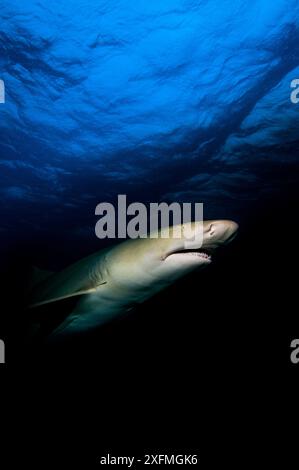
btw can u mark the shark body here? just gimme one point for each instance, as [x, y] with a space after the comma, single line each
[112, 281]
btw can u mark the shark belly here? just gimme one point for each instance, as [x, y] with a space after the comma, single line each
[96, 309]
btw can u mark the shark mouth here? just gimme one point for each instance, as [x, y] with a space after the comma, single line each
[203, 254]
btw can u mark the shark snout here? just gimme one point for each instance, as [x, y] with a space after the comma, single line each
[221, 231]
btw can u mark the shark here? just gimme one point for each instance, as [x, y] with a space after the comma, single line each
[114, 280]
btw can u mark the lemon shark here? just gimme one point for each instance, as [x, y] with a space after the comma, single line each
[112, 281]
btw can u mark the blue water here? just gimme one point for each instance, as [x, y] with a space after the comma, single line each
[164, 101]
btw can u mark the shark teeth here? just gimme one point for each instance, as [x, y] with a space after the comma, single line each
[204, 255]
[199, 254]
[193, 253]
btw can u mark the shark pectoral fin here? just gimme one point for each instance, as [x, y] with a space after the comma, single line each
[67, 296]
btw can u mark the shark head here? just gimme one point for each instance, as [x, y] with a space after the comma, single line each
[152, 263]
[184, 255]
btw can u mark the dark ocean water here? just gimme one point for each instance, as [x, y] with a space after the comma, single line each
[178, 100]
